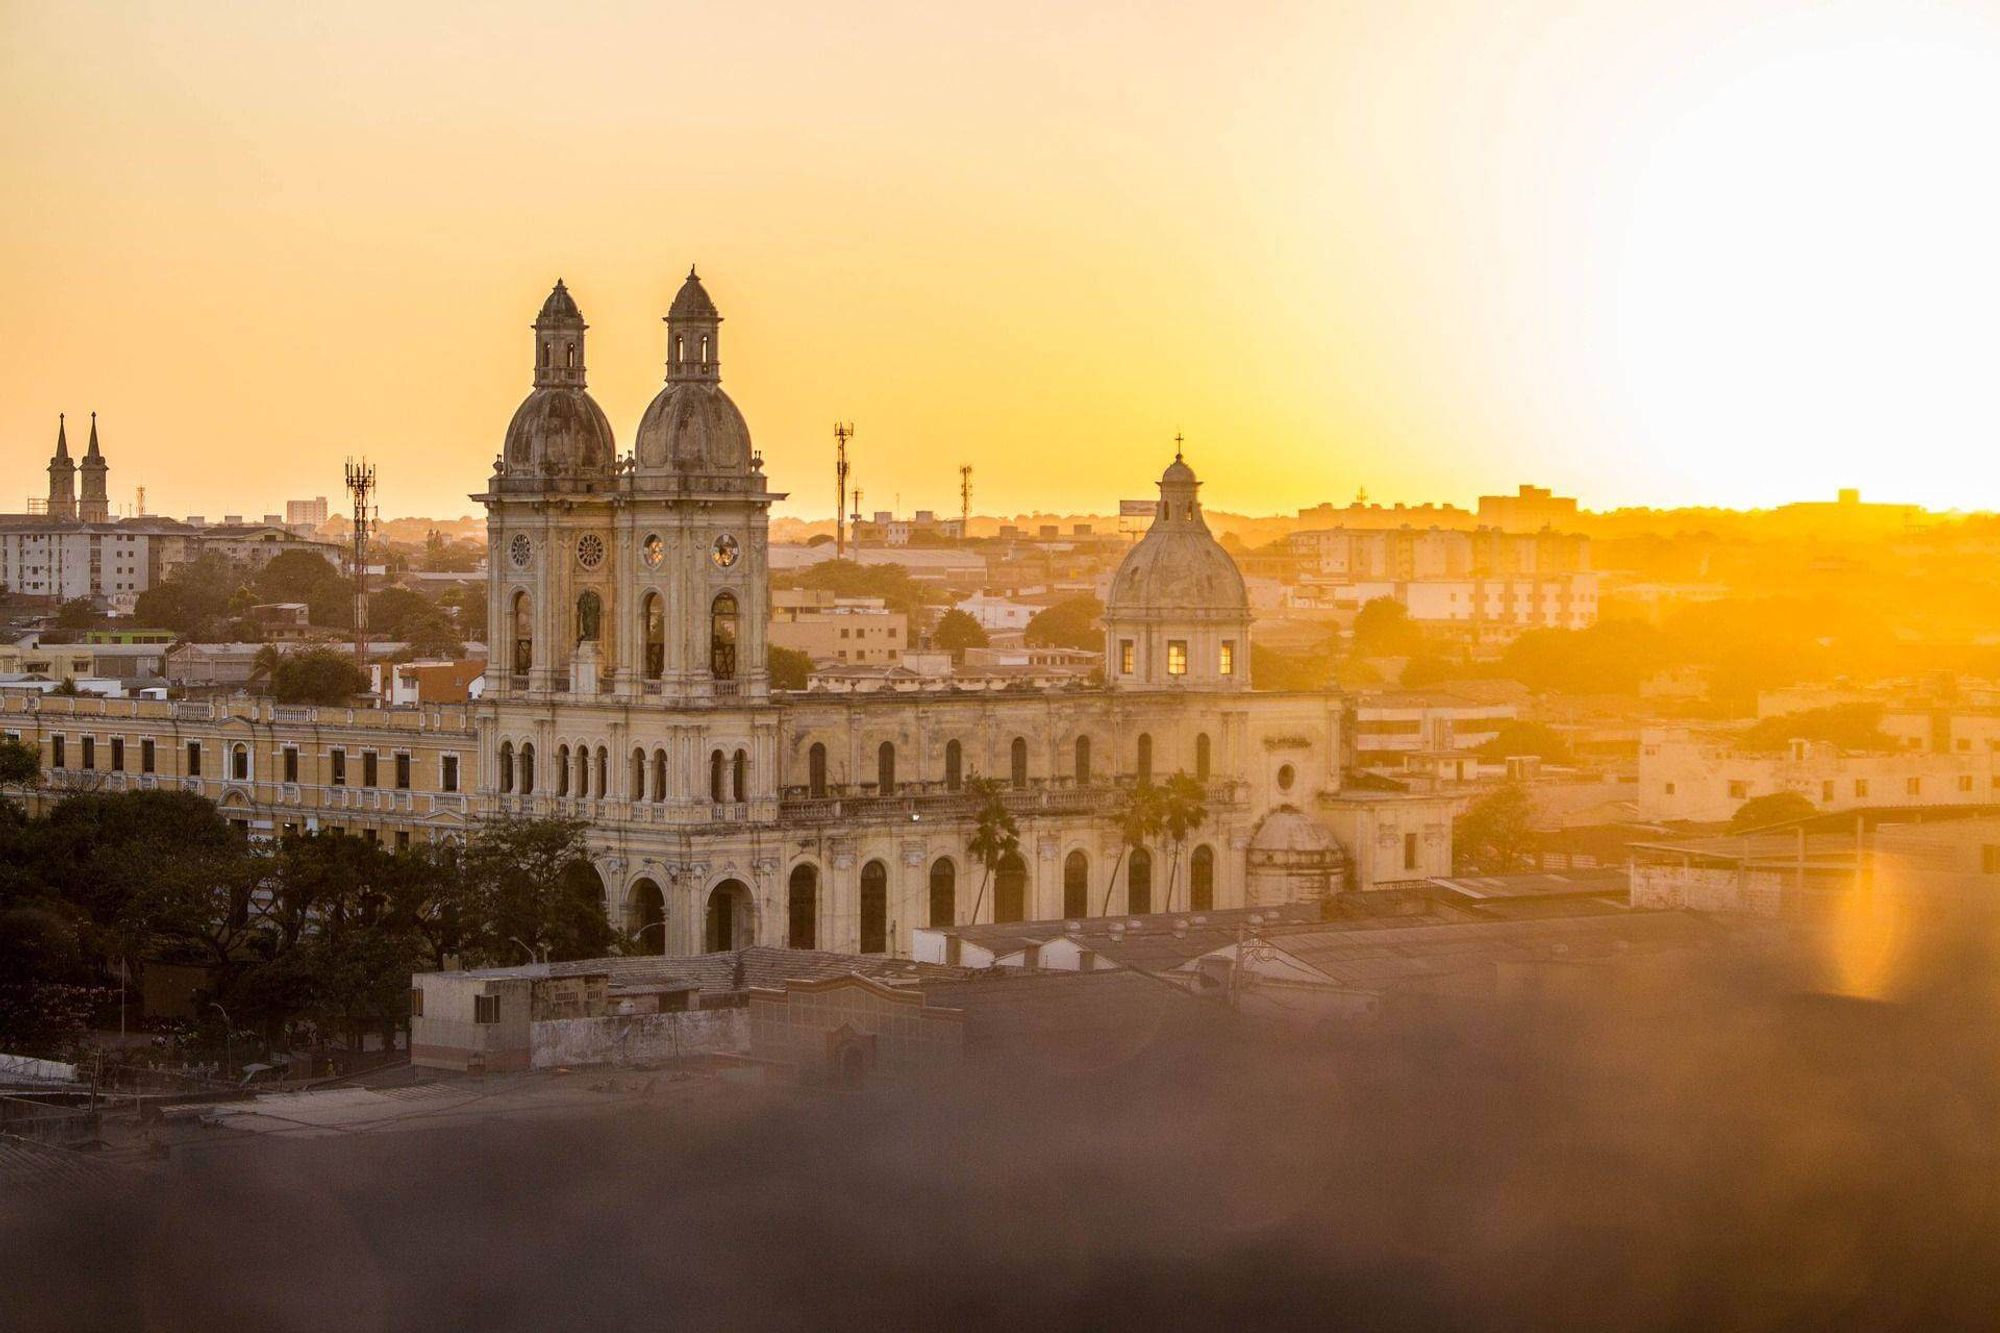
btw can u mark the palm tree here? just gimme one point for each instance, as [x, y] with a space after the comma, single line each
[1138, 823]
[995, 837]
[264, 663]
[1183, 808]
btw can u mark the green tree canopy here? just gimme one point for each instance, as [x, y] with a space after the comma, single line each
[1778, 807]
[1494, 835]
[1855, 727]
[192, 601]
[1518, 736]
[1383, 628]
[1074, 622]
[326, 676]
[790, 669]
[956, 631]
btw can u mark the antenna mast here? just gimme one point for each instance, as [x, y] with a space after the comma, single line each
[843, 431]
[361, 485]
[965, 502]
[855, 527]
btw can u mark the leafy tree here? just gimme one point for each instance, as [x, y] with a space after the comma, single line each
[467, 607]
[430, 633]
[66, 688]
[1494, 835]
[1848, 726]
[192, 601]
[299, 576]
[529, 882]
[325, 676]
[1074, 622]
[1139, 822]
[1518, 736]
[78, 613]
[1778, 807]
[20, 764]
[1275, 669]
[956, 631]
[1383, 628]
[790, 669]
[995, 836]
[1183, 809]
[392, 610]
[1610, 657]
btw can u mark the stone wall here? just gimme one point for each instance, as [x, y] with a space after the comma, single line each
[638, 1038]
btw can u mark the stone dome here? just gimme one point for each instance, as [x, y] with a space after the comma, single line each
[560, 430]
[1293, 858]
[1178, 570]
[693, 302]
[693, 426]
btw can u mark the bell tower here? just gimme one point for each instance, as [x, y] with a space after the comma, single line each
[96, 505]
[62, 476]
[694, 334]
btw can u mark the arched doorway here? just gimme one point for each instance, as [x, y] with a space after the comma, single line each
[1010, 889]
[944, 892]
[874, 908]
[802, 908]
[1139, 882]
[646, 917]
[1076, 885]
[1201, 879]
[730, 923]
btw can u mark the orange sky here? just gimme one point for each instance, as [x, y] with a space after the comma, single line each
[1689, 252]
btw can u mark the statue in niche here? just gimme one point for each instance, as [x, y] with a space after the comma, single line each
[589, 611]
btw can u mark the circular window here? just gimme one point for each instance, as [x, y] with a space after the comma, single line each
[724, 554]
[521, 550]
[590, 550]
[1285, 777]
[653, 550]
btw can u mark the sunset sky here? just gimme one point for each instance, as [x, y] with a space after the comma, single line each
[1686, 252]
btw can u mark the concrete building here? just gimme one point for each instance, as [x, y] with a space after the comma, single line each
[1703, 775]
[834, 629]
[1529, 509]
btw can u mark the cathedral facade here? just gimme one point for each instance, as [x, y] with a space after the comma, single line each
[627, 686]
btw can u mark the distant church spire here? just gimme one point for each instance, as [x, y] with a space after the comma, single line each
[62, 475]
[95, 506]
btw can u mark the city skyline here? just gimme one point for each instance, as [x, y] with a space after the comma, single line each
[1039, 250]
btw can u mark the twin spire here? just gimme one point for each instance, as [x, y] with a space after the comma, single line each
[95, 506]
[693, 337]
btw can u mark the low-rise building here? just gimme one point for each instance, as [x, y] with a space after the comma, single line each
[833, 629]
[1705, 775]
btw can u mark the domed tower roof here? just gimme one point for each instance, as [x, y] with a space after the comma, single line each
[559, 431]
[1293, 858]
[1178, 613]
[692, 426]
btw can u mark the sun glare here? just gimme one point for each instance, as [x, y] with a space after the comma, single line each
[1810, 275]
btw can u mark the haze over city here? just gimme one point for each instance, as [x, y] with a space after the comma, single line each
[1071, 666]
[1689, 253]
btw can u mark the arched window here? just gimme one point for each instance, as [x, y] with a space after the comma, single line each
[1017, 762]
[739, 777]
[1076, 885]
[1201, 879]
[659, 775]
[569, 356]
[874, 908]
[239, 762]
[1082, 761]
[524, 634]
[506, 765]
[603, 772]
[944, 892]
[816, 770]
[653, 616]
[731, 924]
[722, 637]
[636, 789]
[716, 764]
[680, 355]
[562, 771]
[1201, 757]
[1010, 889]
[704, 351]
[527, 768]
[1145, 757]
[646, 918]
[1139, 882]
[589, 617]
[802, 909]
[885, 768]
[954, 765]
[548, 349]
